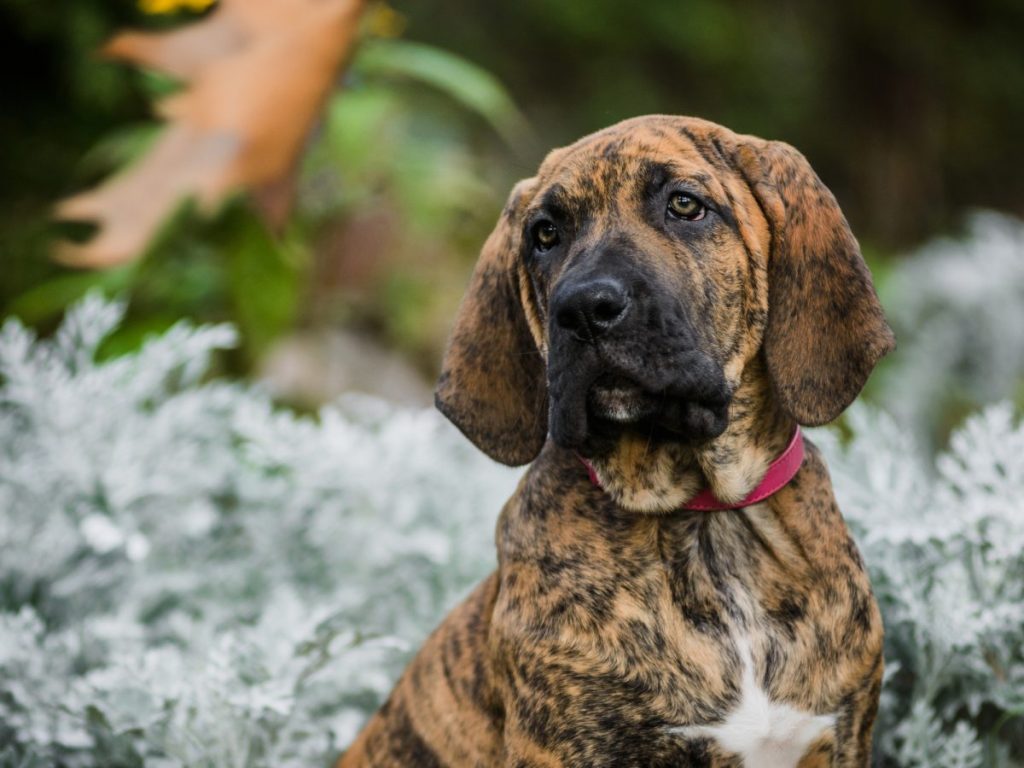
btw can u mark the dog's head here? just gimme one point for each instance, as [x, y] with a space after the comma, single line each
[663, 296]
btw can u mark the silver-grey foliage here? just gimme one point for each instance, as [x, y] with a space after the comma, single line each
[958, 308]
[944, 543]
[191, 577]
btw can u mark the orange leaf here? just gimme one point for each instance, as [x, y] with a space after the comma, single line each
[257, 73]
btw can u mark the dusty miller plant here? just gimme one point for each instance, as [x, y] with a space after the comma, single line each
[193, 577]
[944, 543]
[958, 308]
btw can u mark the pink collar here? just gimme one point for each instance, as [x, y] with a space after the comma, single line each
[780, 472]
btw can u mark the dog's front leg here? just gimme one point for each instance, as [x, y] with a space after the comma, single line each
[444, 712]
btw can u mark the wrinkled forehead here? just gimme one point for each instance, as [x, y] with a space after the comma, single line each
[628, 162]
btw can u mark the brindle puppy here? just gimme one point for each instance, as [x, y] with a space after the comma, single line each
[668, 299]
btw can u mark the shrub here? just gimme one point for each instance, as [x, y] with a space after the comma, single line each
[191, 577]
[958, 309]
[944, 543]
[194, 577]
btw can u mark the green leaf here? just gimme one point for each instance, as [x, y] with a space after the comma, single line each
[472, 86]
[48, 300]
[263, 279]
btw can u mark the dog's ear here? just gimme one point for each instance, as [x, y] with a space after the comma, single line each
[826, 330]
[493, 385]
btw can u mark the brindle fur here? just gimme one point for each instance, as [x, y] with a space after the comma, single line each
[614, 618]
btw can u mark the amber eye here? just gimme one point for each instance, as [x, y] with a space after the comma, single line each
[686, 207]
[546, 235]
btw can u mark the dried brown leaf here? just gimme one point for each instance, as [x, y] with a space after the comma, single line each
[257, 74]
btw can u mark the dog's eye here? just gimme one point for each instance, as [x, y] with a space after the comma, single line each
[545, 235]
[683, 206]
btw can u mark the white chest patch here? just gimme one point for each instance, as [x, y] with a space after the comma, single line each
[764, 733]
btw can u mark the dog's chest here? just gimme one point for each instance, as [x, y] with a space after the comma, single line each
[762, 732]
[759, 706]
[762, 623]
[696, 637]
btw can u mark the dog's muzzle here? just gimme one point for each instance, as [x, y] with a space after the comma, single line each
[612, 368]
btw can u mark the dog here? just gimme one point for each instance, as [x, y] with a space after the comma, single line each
[662, 305]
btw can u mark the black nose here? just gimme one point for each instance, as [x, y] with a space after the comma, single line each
[591, 307]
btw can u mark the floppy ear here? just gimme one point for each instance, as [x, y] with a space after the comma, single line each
[826, 330]
[492, 384]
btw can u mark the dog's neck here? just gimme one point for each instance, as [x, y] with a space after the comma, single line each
[660, 478]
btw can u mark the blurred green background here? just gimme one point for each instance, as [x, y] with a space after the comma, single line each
[912, 112]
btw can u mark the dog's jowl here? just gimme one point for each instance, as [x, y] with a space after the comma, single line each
[657, 311]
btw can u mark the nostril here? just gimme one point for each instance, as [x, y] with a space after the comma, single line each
[590, 308]
[607, 311]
